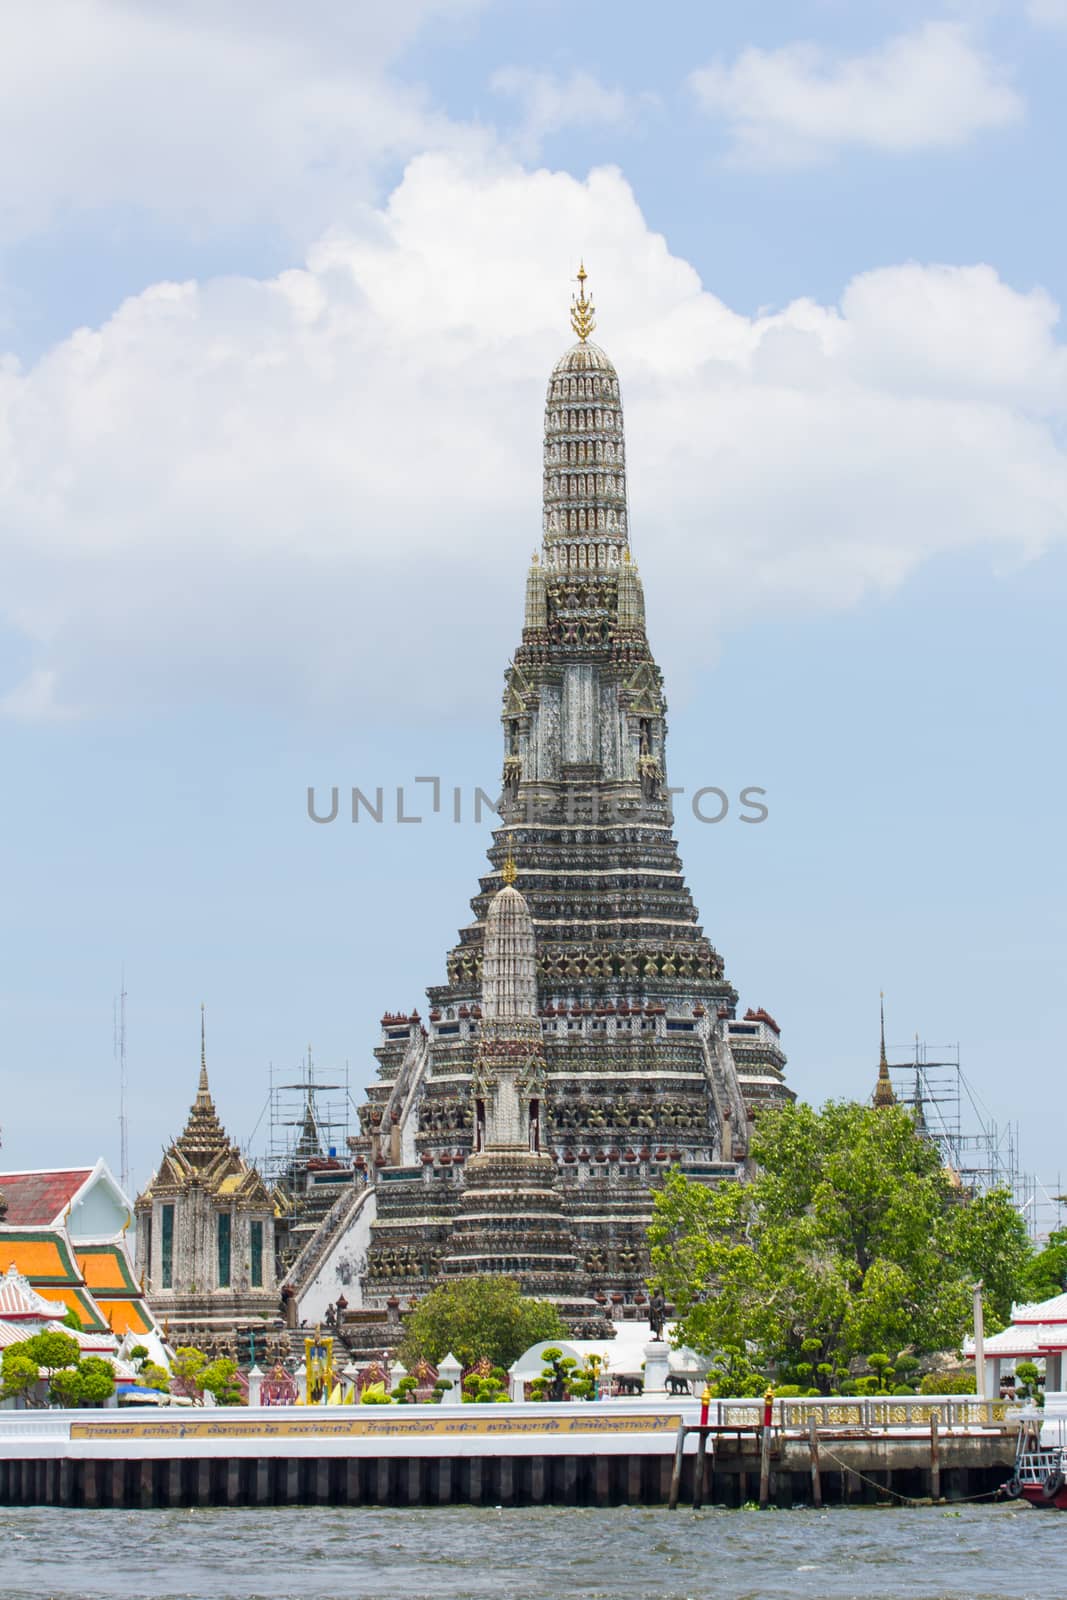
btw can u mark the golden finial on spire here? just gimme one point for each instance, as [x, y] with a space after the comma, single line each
[509, 872]
[583, 320]
[883, 1089]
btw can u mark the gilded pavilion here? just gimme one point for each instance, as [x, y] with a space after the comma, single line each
[205, 1233]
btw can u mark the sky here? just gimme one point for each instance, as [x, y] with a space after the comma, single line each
[280, 291]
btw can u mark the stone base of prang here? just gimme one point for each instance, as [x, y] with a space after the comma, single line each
[562, 1456]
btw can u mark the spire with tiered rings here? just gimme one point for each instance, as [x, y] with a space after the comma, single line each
[883, 1089]
[585, 522]
[203, 1136]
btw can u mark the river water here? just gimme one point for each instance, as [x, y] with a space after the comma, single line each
[1008, 1552]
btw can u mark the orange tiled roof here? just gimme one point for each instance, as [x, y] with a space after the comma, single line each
[126, 1316]
[39, 1254]
[80, 1302]
[106, 1269]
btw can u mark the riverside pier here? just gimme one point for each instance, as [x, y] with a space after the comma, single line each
[625, 1452]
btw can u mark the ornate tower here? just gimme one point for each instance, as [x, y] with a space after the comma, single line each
[884, 1094]
[511, 1216]
[205, 1229]
[586, 1017]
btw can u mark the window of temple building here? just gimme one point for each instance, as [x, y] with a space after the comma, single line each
[224, 1249]
[255, 1245]
[166, 1247]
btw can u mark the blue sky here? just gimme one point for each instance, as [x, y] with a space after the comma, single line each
[280, 300]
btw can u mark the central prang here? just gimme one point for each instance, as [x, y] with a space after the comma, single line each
[586, 1039]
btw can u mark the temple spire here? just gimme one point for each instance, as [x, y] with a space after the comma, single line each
[203, 1136]
[883, 1089]
[585, 520]
[509, 969]
[202, 1087]
[583, 319]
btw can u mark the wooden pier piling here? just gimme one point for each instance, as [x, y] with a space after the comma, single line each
[935, 1459]
[813, 1447]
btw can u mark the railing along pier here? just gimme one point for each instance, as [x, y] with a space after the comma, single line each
[893, 1426]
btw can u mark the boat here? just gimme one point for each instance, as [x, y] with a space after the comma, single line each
[1040, 1472]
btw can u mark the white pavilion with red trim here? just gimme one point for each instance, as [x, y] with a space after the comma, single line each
[1037, 1332]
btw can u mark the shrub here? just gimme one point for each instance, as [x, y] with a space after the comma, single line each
[374, 1395]
[219, 1378]
[948, 1383]
[98, 1380]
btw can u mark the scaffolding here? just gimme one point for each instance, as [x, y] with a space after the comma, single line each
[983, 1153]
[308, 1115]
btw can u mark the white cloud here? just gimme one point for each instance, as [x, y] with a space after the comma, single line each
[549, 103]
[295, 490]
[1048, 13]
[209, 116]
[929, 89]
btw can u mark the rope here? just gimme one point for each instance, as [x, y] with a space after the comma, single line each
[908, 1499]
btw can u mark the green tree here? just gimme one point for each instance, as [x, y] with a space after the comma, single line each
[850, 1238]
[20, 1373]
[477, 1317]
[186, 1368]
[72, 1320]
[98, 1380]
[554, 1382]
[67, 1385]
[219, 1379]
[1046, 1273]
[88, 1383]
[155, 1377]
[732, 1374]
[52, 1350]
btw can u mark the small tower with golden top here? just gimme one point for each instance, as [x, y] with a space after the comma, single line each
[884, 1094]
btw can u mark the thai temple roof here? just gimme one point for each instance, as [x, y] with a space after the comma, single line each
[203, 1152]
[40, 1198]
[19, 1300]
[203, 1136]
[41, 1246]
[1038, 1329]
[1053, 1310]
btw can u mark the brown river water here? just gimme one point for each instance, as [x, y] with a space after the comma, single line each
[992, 1552]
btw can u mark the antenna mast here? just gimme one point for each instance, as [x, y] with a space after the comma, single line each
[119, 1008]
